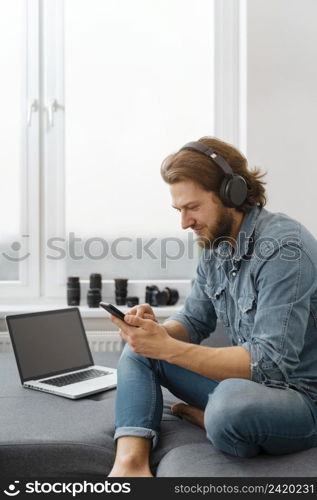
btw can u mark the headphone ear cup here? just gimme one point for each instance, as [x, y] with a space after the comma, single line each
[233, 191]
[223, 192]
[237, 191]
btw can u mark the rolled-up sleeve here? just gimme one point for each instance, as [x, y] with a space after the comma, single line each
[284, 290]
[198, 314]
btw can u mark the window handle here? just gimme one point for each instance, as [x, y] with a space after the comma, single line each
[52, 107]
[33, 107]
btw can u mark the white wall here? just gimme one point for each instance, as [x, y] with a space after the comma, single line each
[282, 103]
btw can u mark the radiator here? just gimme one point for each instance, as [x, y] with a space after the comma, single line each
[98, 342]
[104, 341]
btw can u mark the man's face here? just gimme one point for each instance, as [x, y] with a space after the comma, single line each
[203, 212]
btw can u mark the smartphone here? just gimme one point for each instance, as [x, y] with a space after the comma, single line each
[112, 310]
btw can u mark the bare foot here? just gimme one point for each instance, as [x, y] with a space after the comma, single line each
[191, 413]
[132, 457]
[130, 472]
[130, 466]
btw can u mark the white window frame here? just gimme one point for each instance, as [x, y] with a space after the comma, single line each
[231, 72]
[53, 275]
[44, 160]
[28, 283]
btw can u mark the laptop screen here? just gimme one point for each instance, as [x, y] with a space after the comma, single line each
[48, 343]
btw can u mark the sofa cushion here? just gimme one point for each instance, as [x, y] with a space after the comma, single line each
[44, 435]
[204, 460]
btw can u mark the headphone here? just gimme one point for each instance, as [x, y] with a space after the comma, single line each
[233, 190]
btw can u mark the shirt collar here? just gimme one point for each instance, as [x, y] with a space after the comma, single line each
[245, 240]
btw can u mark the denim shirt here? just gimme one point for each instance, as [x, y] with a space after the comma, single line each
[264, 292]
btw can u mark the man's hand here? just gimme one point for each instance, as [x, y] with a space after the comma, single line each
[143, 311]
[150, 339]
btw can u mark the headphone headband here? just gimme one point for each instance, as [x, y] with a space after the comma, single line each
[199, 147]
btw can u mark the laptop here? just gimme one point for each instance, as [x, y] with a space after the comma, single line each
[53, 355]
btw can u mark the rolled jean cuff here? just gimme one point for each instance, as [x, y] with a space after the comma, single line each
[142, 432]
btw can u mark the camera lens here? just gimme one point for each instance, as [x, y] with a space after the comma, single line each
[121, 282]
[121, 291]
[132, 301]
[95, 281]
[93, 297]
[121, 300]
[94, 292]
[73, 291]
[149, 294]
[173, 296]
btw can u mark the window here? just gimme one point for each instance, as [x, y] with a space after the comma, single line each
[105, 93]
[138, 85]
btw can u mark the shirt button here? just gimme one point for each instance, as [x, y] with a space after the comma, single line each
[240, 340]
[234, 273]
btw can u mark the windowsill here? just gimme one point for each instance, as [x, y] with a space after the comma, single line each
[85, 311]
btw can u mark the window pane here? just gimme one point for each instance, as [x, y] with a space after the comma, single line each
[138, 85]
[11, 32]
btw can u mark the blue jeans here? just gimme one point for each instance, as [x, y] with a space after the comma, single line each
[241, 417]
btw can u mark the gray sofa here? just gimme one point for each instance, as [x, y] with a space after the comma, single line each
[42, 435]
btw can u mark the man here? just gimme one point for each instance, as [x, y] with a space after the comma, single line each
[257, 275]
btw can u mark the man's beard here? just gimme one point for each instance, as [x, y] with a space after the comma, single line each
[220, 231]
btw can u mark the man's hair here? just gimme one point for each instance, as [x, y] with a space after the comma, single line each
[197, 167]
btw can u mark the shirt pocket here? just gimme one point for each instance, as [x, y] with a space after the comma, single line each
[218, 298]
[246, 314]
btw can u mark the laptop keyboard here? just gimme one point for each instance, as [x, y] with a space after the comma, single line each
[75, 377]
